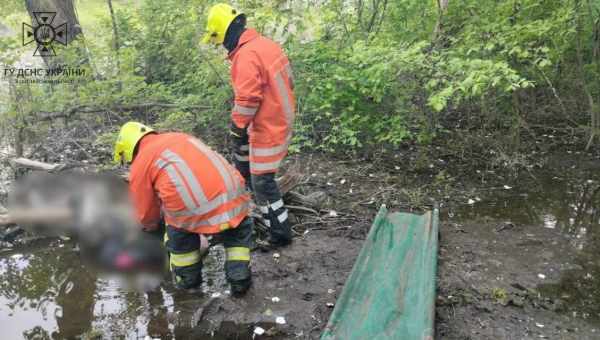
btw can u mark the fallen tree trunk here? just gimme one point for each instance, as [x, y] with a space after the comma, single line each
[35, 165]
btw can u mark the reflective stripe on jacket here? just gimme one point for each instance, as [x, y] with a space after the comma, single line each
[195, 188]
[264, 99]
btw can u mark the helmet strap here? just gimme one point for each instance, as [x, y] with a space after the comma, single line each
[234, 32]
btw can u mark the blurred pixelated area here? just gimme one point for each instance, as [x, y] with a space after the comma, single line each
[93, 209]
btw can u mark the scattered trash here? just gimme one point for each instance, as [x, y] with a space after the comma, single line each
[276, 255]
[215, 295]
[275, 299]
[550, 221]
[506, 187]
[333, 213]
[330, 291]
[542, 276]
[280, 320]
[329, 183]
[471, 201]
[396, 167]
[539, 325]
[268, 312]
[259, 330]
[330, 304]
[342, 181]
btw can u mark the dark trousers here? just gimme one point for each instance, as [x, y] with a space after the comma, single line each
[186, 260]
[266, 193]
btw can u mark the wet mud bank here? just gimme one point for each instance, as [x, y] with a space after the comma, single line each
[516, 261]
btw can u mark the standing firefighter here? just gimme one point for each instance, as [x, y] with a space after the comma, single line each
[177, 177]
[263, 114]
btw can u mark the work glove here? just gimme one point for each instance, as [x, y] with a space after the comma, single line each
[238, 135]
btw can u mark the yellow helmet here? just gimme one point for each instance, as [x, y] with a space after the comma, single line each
[220, 17]
[129, 136]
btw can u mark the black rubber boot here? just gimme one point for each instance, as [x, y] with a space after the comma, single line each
[237, 243]
[274, 214]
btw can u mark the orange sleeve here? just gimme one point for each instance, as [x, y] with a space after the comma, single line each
[144, 198]
[247, 85]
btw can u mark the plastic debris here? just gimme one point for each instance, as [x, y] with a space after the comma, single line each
[215, 295]
[259, 330]
[330, 291]
[342, 181]
[276, 255]
[333, 213]
[506, 187]
[280, 320]
[542, 276]
[330, 304]
[275, 299]
[539, 325]
[471, 201]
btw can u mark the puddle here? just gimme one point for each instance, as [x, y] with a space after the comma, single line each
[567, 211]
[48, 294]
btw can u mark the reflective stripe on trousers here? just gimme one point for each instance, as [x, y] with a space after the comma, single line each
[282, 216]
[237, 254]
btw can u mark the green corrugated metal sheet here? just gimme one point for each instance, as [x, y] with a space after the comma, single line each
[390, 293]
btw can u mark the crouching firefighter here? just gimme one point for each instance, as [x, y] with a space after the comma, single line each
[263, 114]
[177, 177]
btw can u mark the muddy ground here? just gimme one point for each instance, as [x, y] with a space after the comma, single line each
[517, 259]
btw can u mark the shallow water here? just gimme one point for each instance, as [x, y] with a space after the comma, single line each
[47, 293]
[569, 207]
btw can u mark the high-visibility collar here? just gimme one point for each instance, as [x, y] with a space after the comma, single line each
[248, 35]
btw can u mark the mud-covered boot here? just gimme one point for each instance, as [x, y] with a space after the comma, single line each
[275, 216]
[239, 277]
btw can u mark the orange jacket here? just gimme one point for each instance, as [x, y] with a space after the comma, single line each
[264, 99]
[177, 176]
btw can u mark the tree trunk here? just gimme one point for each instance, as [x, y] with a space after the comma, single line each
[592, 107]
[116, 43]
[442, 8]
[65, 13]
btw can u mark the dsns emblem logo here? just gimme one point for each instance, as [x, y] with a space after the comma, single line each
[44, 33]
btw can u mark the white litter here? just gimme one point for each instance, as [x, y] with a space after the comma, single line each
[471, 201]
[539, 325]
[259, 331]
[280, 320]
[342, 181]
[542, 276]
[506, 187]
[215, 295]
[396, 167]
[276, 255]
[330, 291]
[330, 304]
[333, 213]
[275, 299]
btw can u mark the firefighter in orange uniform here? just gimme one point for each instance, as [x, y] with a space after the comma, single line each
[176, 177]
[263, 114]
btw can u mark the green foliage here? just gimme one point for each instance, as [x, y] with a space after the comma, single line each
[367, 73]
